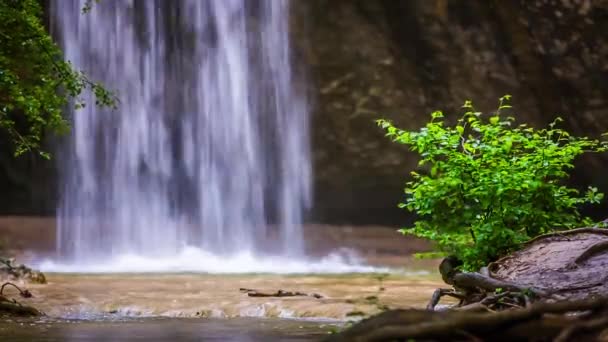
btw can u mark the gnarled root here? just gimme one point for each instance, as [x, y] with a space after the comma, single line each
[538, 321]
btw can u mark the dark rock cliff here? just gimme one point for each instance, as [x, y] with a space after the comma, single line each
[403, 59]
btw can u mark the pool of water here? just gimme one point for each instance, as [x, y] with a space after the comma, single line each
[166, 329]
[108, 296]
[207, 307]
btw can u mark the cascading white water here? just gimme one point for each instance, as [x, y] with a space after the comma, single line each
[209, 145]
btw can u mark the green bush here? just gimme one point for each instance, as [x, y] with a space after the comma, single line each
[490, 185]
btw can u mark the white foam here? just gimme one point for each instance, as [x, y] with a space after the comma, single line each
[192, 259]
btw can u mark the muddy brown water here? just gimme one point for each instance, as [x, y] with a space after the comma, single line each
[207, 307]
[196, 307]
[218, 296]
[162, 329]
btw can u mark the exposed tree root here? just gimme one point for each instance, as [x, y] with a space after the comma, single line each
[570, 332]
[479, 292]
[554, 288]
[279, 293]
[476, 281]
[592, 251]
[537, 321]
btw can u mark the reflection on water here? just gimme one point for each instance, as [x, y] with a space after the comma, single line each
[179, 330]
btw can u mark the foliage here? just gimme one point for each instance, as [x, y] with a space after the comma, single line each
[490, 185]
[35, 82]
[88, 5]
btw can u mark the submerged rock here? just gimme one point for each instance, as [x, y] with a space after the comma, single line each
[13, 308]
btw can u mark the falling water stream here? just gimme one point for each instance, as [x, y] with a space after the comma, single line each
[210, 141]
[206, 160]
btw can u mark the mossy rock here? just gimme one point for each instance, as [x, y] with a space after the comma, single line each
[12, 308]
[11, 271]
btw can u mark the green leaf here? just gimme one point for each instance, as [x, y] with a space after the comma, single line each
[437, 114]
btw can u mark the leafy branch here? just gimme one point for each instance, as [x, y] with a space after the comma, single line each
[488, 184]
[35, 82]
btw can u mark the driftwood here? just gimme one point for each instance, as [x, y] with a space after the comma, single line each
[279, 293]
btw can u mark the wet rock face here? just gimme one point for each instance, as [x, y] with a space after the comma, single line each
[403, 59]
[27, 183]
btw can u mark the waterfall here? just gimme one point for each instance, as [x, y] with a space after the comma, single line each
[209, 146]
